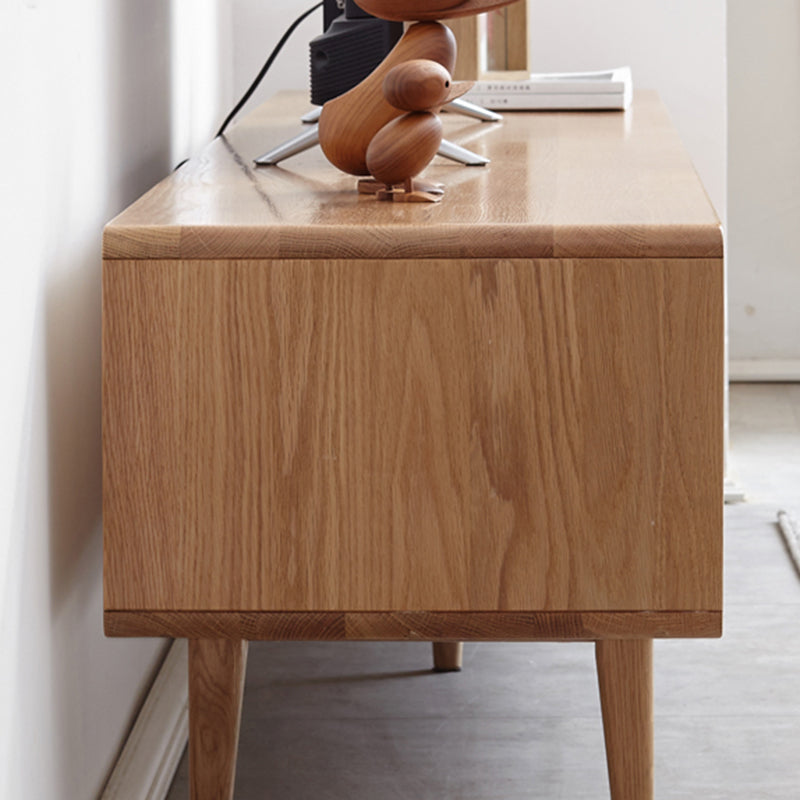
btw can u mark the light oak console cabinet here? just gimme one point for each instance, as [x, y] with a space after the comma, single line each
[495, 418]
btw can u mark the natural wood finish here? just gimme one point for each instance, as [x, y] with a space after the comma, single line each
[404, 147]
[403, 10]
[576, 185]
[350, 122]
[625, 675]
[415, 626]
[473, 60]
[448, 656]
[216, 684]
[485, 435]
[467, 67]
[517, 21]
[418, 85]
[497, 418]
[495, 41]
[503, 45]
[361, 135]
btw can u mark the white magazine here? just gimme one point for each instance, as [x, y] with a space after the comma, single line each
[607, 89]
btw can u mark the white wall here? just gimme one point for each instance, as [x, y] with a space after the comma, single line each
[764, 180]
[88, 120]
[256, 28]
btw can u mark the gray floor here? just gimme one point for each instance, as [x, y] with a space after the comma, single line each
[371, 722]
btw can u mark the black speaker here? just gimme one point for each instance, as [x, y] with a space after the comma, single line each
[330, 10]
[353, 44]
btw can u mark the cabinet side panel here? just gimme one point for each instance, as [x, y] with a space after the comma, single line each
[438, 435]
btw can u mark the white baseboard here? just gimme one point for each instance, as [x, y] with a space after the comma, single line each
[147, 764]
[733, 493]
[758, 370]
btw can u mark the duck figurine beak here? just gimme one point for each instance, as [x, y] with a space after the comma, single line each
[457, 89]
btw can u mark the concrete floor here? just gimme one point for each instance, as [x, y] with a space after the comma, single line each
[356, 721]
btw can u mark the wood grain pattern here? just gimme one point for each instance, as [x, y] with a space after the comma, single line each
[418, 85]
[517, 18]
[448, 656]
[465, 29]
[415, 626]
[503, 55]
[625, 676]
[577, 185]
[404, 147]
[404, 435]
[500, 54]
[403, 10]
[216, 684]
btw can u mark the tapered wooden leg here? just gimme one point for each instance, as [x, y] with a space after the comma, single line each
[625, 675]
[447, 656]
[216, 683]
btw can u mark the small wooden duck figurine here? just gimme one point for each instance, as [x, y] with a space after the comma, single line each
[404, 147]
[387, 127]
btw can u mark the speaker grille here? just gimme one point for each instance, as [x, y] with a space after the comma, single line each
[347, 53]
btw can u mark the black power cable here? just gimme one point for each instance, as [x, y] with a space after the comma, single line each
[273, 55]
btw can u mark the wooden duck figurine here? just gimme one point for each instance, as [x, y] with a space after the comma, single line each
[405, 10]
[401, 149]
[387, 127]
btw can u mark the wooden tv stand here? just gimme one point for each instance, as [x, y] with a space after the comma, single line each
[495, 418]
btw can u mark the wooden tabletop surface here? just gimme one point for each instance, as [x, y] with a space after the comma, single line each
[560, 184]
